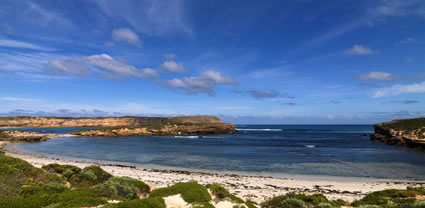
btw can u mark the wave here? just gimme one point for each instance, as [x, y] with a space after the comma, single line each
[187, 137]
[259, 129]
[310, 146]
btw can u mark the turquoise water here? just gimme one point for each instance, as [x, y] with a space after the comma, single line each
[331, 150]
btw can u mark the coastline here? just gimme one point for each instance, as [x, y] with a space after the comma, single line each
[255, 187]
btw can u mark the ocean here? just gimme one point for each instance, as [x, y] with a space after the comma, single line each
[324, 150]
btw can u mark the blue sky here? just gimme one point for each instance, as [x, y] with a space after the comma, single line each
[300, 61]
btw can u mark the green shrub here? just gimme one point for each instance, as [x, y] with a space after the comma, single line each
[89, 176]
[151, 202]
[324, 205]
[291, 203]
[314, 199]
[191, 192]
[78, 198]
[67, 173]
[125, 187]
[382, 198]
[420, 204]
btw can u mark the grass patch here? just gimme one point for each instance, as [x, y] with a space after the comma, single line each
[191, 192]
[406, 124]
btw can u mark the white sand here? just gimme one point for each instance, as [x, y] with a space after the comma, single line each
[253, 187]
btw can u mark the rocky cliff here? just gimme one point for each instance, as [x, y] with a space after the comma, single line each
[160, 130]
[405, 132]
[102, 122]
[16, 135]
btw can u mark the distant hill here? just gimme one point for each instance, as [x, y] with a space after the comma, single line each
[128, 121]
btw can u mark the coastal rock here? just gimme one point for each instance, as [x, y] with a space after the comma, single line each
[160, 130]
[404, 132]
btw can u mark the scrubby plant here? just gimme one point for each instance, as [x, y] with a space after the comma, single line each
[314, 199]
[191, 192]
[151, 202]
[56, 168]
[389, 196]
[291, 203]
[15, 173]
[324, 205]
[125, 187]
[222, 193]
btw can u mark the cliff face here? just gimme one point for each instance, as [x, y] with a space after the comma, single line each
[101, 122]
[160, 130]
[405, 132]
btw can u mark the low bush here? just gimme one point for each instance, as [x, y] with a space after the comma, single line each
[191, 192]
[124, 187]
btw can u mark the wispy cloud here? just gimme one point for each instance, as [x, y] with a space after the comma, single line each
[173, 66]
[261, 94]
[152, 17]
[170, 56]
[102, 64]
[17, 99]
[359, 50]
[400, 89]
[382, 76]
[20, 44]
[204, 83]
[408, 40]
[126, 35]
[396, 8]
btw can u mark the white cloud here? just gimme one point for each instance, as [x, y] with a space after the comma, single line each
[20, 44]
[173, 66]
[126, 35]
[170, 56]
[204, 83]
[383, 76]
[358, 50]
[17, 99]
[102, 64]
[400, 89]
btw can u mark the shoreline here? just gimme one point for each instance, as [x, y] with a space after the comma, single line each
[256, 187]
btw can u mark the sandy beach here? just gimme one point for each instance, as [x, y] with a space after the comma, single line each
[247, 186]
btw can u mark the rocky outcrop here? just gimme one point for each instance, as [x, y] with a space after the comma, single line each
[17, 135]
[128, 121]
[405, 132]
[160, 130]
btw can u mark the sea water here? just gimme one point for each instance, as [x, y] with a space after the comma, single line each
[329, 150]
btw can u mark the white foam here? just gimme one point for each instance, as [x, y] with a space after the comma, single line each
[188, 137]
[259, 129]
[310, 146]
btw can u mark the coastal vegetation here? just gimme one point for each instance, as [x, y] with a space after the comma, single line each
[54, 185]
